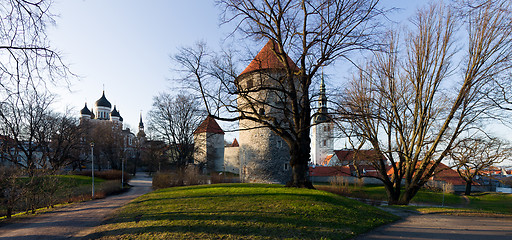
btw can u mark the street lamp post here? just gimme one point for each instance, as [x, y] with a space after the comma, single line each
[92, 167]
[122, 172]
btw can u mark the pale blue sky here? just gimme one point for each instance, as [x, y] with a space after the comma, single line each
[125, 46]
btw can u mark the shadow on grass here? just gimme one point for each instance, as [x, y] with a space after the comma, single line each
[233, 225]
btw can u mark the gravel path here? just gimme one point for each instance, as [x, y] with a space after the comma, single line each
[74, 221]
[435, 226]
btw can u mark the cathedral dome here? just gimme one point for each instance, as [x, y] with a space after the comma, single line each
[103, 102]
[85, 111]
[115, 113]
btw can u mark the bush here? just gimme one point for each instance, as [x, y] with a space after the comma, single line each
[224, 177]
[107, 174]
[439, 186]
[174, 179]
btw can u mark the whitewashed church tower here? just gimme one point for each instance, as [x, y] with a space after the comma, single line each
[322, 141]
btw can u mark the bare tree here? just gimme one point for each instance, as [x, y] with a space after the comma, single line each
[306, 35]
[174, 119]
[23, 118]
[472, 155]
[63, 147]
[27, 61]
[413, 108]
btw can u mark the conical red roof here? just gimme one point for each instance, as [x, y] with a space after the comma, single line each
[235, 143]
[209, 125]
[267, 59]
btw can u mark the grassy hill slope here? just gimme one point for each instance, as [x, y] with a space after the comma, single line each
[241, 211]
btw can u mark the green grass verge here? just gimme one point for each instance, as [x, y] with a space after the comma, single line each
[76, 180]
[483, 204]
[241, 211]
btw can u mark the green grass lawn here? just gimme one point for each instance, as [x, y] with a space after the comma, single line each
[492, 204]
[76, 180]
[241, 211]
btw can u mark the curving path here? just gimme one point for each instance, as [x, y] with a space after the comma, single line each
[74, 221]
[435, 226]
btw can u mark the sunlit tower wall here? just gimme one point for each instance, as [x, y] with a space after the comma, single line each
[264, 156]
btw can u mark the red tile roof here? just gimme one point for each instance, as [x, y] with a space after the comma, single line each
[209, 125]
[235, 143]
[267, 59]
[443, 173]
[326, 161]
[320, 171]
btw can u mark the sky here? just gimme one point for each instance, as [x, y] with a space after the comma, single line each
[123, 47]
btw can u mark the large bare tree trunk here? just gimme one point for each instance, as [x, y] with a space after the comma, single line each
[299, 159]
[467, 192]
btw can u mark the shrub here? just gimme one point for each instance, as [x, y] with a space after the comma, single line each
[173, 179]
[224, 177]
[340, 185]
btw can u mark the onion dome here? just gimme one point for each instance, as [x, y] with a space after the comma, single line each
[115, 113]
[85, 111]
[103, 102]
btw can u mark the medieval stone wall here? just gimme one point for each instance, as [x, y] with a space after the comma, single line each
[232, 159]
[264, 156]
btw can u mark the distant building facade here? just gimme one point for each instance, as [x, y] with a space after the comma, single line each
[103, 118]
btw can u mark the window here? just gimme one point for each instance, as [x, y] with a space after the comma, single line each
[279, 143]
[325, 143]
[325, 128]
[286, 166]
[262, 111]
[249, 84]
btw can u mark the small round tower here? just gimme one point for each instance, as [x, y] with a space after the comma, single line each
[264, 156]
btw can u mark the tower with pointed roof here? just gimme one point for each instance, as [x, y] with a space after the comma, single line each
[264, 156]
[209, 146]
[322, 141]
[141, 132]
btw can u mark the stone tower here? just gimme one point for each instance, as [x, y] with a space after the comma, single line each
[209, 146]
[322, 141]
[264, 156]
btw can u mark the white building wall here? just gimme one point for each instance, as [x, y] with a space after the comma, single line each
[322, 142]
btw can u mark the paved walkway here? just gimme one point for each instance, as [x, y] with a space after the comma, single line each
[434, 226]
[74, 221]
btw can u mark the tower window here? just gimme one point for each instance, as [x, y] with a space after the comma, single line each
[286, 166]
[325, 143]
[262, 111]
[249, 84]
[279, 143]
[325, 128]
